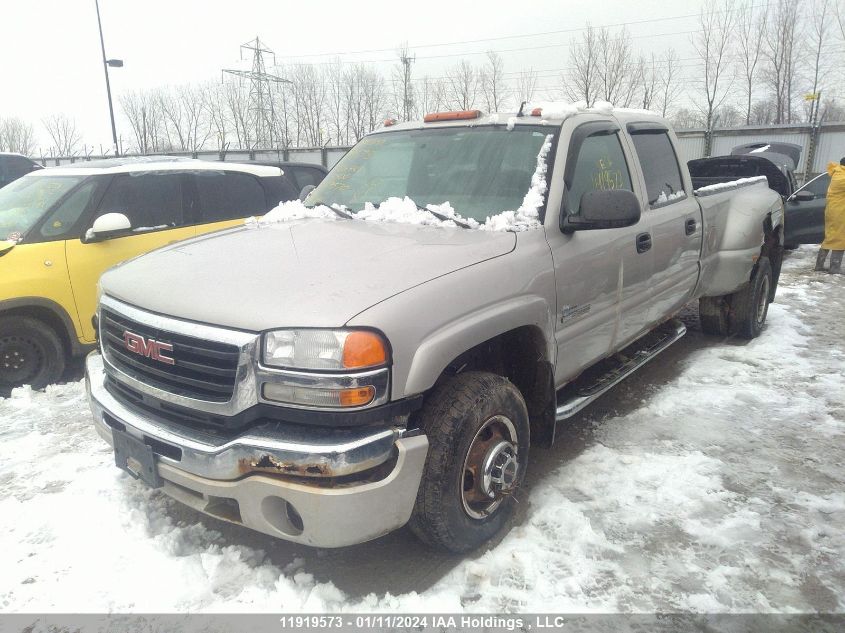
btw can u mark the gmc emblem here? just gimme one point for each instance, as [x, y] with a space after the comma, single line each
[147, 347]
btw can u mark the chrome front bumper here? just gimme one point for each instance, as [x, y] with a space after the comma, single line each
[221, 478]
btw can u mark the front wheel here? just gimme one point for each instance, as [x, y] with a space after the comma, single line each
[477, 428]
[31, 353]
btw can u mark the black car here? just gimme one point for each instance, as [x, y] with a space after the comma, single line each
[803, 206]
[13, 166]
[805, 212]
[300, 174]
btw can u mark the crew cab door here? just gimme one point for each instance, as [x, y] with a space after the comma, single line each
[675, 219]
[601, 276]
[804, 211]
[155, 203]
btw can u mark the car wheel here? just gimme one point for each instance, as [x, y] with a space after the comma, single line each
[31, 353]
[750, 305]
[477, 428]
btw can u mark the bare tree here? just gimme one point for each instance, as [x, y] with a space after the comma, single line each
[526, 85]
[492, 80]
[309, 95]
[712, 44]
[670, 87]
[214, 103]
[751, 25]
[818, 34]
[462, 82]
[64, 134]
[650, 82]
[782, 57]
[16, 135]
[617, 76]
[580, 83]
[686, 119]
[432, 95]
[338, 100]
[236, 100]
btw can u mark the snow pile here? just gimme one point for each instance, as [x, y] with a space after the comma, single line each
[528, 215]
[406, 211]
[733, 184]
[290, 211]
[565, 109]
[663, 198]
[759, 150]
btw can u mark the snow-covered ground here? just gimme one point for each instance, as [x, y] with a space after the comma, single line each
[712, 481]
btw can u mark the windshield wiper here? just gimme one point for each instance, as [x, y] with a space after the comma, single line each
[446, 218]
[341, 212]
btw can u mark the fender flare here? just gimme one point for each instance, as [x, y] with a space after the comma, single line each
[434, 353]
[69, 328]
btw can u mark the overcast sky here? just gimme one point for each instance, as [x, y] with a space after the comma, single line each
[50, 58]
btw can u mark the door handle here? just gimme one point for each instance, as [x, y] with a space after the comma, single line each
[643, 242]
[689, 226]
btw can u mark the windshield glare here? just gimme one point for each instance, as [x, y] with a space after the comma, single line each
[480, 171]
[26, 199]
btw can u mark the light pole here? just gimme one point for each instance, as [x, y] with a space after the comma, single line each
[115, 63]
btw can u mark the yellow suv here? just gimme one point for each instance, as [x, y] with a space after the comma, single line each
[61, 228]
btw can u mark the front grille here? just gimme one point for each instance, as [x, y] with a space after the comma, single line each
[203, 369]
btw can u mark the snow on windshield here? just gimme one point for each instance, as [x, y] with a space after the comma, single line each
[406, 211]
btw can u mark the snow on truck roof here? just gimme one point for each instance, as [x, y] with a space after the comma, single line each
[154, 163]
[544, 112]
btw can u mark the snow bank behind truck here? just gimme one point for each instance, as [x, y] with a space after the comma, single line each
[386, 352]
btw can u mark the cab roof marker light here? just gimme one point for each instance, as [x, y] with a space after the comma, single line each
[537, 112]
[455, 115]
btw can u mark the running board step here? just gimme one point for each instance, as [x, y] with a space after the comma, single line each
[603, 375]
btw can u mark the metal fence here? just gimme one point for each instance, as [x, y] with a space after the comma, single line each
[325, 156]
[829, 141]
[829, 145]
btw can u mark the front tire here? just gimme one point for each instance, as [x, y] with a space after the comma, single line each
[31, 353]
[478, 433]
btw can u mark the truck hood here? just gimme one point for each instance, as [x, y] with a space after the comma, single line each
[313, 273]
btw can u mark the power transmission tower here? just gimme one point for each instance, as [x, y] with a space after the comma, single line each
[262, 113]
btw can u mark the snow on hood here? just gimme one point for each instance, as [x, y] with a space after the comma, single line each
[406, 211]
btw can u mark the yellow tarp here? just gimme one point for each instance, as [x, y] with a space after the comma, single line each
[834, 213]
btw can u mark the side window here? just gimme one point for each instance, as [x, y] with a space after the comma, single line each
[149, 200]
[819, 186]
[228, 196]
[67, 214]
[600, 166]
[660, 168]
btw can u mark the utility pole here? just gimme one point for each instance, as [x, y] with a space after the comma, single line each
[407, 98]
[116, 63]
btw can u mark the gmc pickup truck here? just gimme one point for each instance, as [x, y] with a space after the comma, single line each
[386, 351]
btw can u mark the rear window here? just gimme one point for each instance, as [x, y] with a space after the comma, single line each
[660, 168]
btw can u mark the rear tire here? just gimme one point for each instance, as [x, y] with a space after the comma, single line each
[477, 428]
[31, 353]
[742, 313]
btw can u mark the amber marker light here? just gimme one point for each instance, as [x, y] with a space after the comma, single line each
[364, 349]
[455, 115]
[357, 396]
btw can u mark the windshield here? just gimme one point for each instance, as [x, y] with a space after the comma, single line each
[480, 171]
[25, 200]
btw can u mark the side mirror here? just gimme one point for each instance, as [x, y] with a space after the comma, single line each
[107, 226]
[305, 191]
[610, 209]
[802, 196]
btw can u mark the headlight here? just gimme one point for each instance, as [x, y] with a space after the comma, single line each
[324, 349]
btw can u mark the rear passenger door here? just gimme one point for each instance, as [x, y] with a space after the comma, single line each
[675, 219]
[155, 203]
[226, 198]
